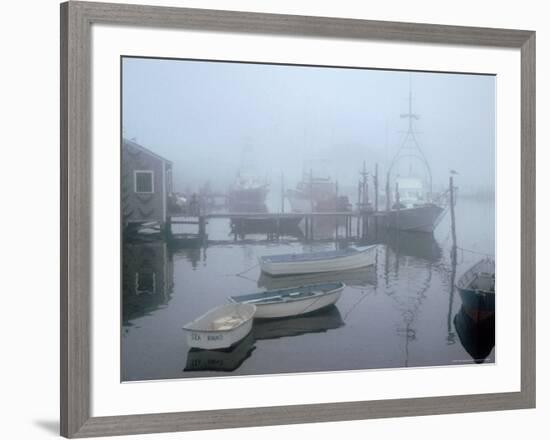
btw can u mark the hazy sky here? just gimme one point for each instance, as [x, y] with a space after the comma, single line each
[210, 118]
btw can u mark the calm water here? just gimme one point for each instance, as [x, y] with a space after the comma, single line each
[403, 312]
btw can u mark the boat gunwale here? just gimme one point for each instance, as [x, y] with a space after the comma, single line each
[476, 291]
[466, 279]
[187, 328]
[289, 299]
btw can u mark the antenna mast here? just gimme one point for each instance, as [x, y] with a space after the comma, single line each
[410, 142]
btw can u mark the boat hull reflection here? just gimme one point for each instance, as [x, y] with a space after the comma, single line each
[220, 360]
[355, 277]
[410, 243]
[227, 360]
[320, 321]
[477, 336]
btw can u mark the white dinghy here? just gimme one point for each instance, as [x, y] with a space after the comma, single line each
[292, 302]
[221, 327]
[316, 262]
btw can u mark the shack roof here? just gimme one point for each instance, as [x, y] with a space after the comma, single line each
[133, 144]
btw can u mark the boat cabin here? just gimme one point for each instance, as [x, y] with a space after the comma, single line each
[411, 192]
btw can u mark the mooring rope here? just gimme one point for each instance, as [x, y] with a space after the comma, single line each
[242, 274]
[246, 278]
[475, 252]
[247, 270]
[363, 296]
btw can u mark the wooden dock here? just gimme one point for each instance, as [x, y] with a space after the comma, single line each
[276, 220]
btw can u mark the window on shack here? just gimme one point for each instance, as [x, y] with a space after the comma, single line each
[143, 182]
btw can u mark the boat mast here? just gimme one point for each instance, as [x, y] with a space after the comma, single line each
[410, 142]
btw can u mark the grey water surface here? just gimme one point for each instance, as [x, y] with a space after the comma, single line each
[403, 312]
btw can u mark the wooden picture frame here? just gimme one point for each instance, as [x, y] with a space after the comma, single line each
[77, 19]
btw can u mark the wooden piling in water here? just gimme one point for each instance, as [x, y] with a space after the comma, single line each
[376, 187]
[202, 227]
[282, 193]
[388, 192]
[452, 209]
[166, 229]
[364, 225]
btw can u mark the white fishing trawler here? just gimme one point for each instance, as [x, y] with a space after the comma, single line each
[411, 204]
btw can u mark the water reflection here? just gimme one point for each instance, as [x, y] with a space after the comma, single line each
[192, 254]
[477, 336]
[403, 311]
[326, 228]
[408, 272]
[475, 324]
[241, 227]
[220, 360]
[230, 359]
[412, 244]
[316, 322]
[147, 279]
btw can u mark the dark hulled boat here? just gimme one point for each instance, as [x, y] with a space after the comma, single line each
[477, 289]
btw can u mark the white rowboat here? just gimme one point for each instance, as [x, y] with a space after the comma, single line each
[292, 302]
[221, 327]
[316, 262]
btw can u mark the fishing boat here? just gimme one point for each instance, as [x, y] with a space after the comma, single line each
[411, 204]
[421, 217]
[220, 327]
[247, 194]
[316, 262]
[477, 288]
[317, 192]
[291, 302]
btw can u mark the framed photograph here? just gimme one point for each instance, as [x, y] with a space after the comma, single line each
[257, 203]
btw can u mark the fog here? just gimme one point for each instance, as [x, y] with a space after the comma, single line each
[212, 119]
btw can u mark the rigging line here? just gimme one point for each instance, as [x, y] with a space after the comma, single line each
[475, 252]
[355, 287]
[312, 304]
[363, 296]
[246, 278]
[247, 270]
